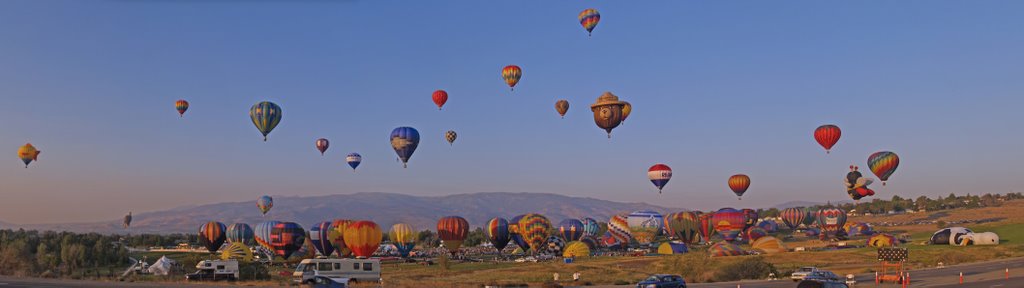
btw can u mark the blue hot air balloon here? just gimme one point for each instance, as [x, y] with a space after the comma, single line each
[354, 159]
[241, 233]
[590, 227]
[318, 234]
[570, 229]
[404, 140]
[265, 115]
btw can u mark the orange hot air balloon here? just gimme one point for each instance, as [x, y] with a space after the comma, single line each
[28, 153]
[827, 136]
[440, 97]
[452, 230]
[337, 237]
[739, 184]
[511, 74]
[182, 106]
[363, 238]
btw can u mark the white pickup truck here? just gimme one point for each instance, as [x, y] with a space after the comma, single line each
[802, 273]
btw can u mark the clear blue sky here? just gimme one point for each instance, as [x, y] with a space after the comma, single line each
[718, 88]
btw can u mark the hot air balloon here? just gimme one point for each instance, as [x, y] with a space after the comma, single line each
[534, 229]
[497, 233]
[768, 225]
[553, 245]
[450, 137]
[618, 227]
[405, 140]
[883, 164]
[513, 231]
[363, 237]
[793, 217]
[241, 233]
[729, 223]
[590, 227]
[353, 160]
[768, 245]
[645, 225]
[265, 115]
[857, 185]
[576, 249]
[403, 237]
[182, 106]
[562, 106]
[612, 242]
[831, 221]
[28, 153]
[237, 251]
[589, 19]
[882, 240]
[319, 234]
[672, 247]
[684, 226]
[659, 175]
[812, 216]
[337, 236]
[322, 144]
[859, 228]
[127, 220]
[262, 233]
[626, 110]
[286, 238]
[440, 97]
[753, 233]
[607, 112]
[570, 229]
[264, 203]
[306, 251]
[751, 217]
[707, 226]
[452, 230]
[827, 136]
[511, 74]
[739, 184]
[211, 235]
[724, 249]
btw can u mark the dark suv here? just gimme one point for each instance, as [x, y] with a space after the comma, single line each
[662, 281]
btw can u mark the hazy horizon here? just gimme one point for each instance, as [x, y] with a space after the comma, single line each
[717, 88]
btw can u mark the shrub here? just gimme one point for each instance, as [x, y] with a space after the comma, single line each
[749, 268]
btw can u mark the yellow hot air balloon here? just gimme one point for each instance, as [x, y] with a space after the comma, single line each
[363, 238]
[28, 153]
[238, 251]
[403, 237]
[768, 245]
[576, 249]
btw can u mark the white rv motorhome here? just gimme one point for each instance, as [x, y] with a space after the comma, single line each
[357, 270]
[215, 270]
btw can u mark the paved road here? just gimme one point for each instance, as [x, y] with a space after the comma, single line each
[983, 274]
[60, 283]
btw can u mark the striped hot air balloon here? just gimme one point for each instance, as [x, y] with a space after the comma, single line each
[589, 18]
[659, 174]
[831, 221]
[534, 229]
[511, 74]
[883, 164]
[707, 226]
[725, 249]
[181, 105]
[739, 184]
[684, 226]
[513, 231]
[793, 217]
[570, 229]
[452, 230]
[353, 160]
[241, 233]
[286, 238]
[319, 234]
[363, 238]
[403, 237]
[827, 136]
[265, 115]
[262, 233]
[497, 233]
[590, 227]
[729, 223]
[212, 235]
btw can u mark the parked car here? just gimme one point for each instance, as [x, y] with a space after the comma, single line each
[328, 282]
[801, 273]
[821, 284]
[823, 275]
[662, 281]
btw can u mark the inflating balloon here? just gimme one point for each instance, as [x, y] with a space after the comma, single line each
[684, 226]
[452, 230]
[286, 238]
[497, 233]
[590, 227]
[729, 223]
[645, 225]
[211, 235]
[363, 238]
[570, 229]
[403, 237]
[241, 233]
[319, 235]
[793, 217]
[534, 229]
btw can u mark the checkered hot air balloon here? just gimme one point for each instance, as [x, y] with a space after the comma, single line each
[450, 137]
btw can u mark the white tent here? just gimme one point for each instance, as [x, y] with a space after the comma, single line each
[162, 266]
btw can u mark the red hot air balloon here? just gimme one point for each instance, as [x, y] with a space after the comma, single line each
[452, 230]
[827, 136]
[440, 97]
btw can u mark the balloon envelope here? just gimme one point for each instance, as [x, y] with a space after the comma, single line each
[590, 227]
[729, 222]
[264, 203]
[319, 235]
[403, 237]
[353, 160]
[883, 164]
[793, 217]
[265, 115]
[511, 75]
[452, 230]
[570, 229]
[645, 225]
[576, 249]
[322, 144]
[212, 235]
[405, 140]
[28, 153]
[363, 238]
[618, 228]
[684, 226]
[534, 229]
[739, 184]
[440, 97]
[724, 249]
[241, 233]
[262, 233]
[562, 106]
[659, 174]
[286, 238]
[497, 233]
[337, 236]
[589, 18]
[182, 106]
[513, 231]
[831, 221]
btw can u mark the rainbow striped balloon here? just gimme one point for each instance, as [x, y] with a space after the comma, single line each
[534, 230]
[883, 164]
[511, 74]
[589, 19]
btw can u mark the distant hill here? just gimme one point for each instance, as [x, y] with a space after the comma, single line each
[383, 208]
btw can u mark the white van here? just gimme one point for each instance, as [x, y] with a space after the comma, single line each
[215, 270]
[357, 270]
